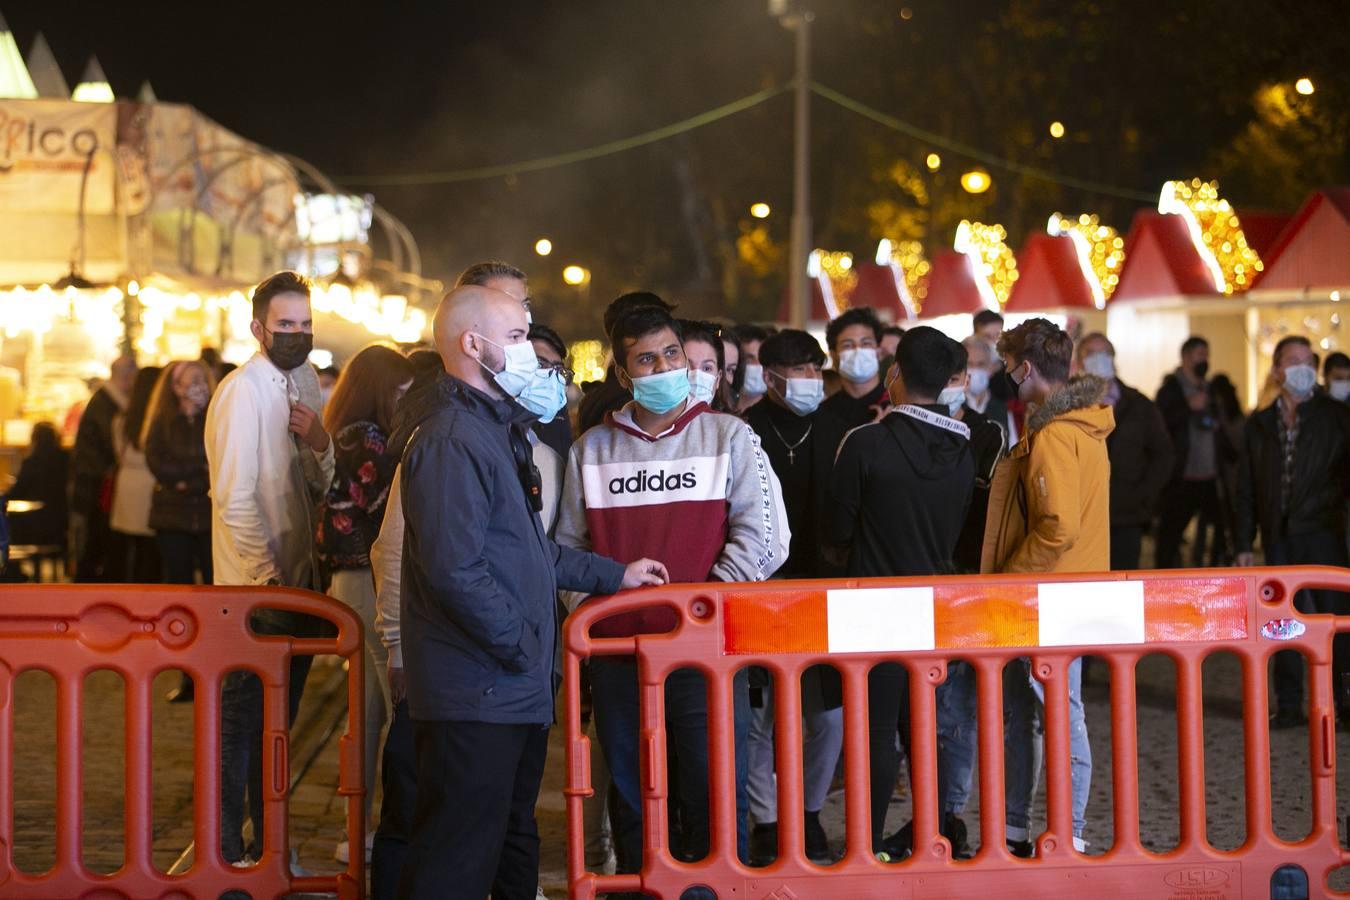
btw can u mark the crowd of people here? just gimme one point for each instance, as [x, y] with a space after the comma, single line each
[462, 499]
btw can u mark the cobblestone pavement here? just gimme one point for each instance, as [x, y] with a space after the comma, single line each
[317, 814]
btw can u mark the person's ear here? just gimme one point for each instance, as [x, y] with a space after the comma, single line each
[624, 381]
[256, 329]
[468, 345]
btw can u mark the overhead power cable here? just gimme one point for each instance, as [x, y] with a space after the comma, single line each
[975, 153]
[575, 156]
[730, 109]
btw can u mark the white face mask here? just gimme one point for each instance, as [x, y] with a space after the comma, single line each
[519, 366]
[701, 386]
[953, 398]
[1103, 365]
[979, 381]
[858, 364]
[753, 385]
[803, 395]
[1300, 380]
[1339, 389]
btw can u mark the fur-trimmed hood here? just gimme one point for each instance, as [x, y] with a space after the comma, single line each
[1079, 402]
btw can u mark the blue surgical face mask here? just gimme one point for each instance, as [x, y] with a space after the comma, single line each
[1103, 365]
[953, 398]
[701, 385]
[858, 364]
[753, 385]
[1300, 380]
[519, 364]
[802, 395]
[545, 394]
[662, 392]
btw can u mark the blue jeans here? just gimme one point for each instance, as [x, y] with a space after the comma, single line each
[956, 733]
[614, 692]
[1023, 713]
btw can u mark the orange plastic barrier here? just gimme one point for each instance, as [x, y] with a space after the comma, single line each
[852, 625]
[139, 631]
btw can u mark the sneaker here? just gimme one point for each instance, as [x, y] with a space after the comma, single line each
[954, 830]
[1022, 849]
[764, 844]
[900, 844]
[343, 853]
[817, 844]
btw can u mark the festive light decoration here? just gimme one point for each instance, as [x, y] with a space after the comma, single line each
[760, 210]
[576, 275]
[934, 162]
[587, 359]
[838, 266]
[987, 247]
[976, 181]
[1101, 251]
[1057, 129]
[908, 255]
[1215, 232]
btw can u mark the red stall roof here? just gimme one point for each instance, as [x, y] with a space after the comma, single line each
[1314, 250]
[879, 286]
[952, 289]
[819, 312]
[1263, 229]
[1049, 276]
[1161, 261]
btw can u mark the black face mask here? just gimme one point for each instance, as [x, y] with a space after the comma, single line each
[289, 349]
[1202, 369]
[1012, 384]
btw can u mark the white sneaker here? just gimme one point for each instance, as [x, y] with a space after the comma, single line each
[343, 852]
[539, 894]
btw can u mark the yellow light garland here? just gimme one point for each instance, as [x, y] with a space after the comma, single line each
[1215, 231]
[1100, 248]
[994, 259]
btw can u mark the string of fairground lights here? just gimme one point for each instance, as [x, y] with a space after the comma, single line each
[730, 109]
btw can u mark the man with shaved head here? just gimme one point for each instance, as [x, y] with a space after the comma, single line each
[479, 627]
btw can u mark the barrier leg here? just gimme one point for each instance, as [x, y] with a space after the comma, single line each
[1125, 755]
[1191, 752]
[1053, 673]
[993, 805]
[923, 759]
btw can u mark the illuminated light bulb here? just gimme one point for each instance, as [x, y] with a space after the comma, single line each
[934, 162]
[576, 275]
[760, 210]
[543, 246]
[976, 181]
[1304, 86]
[1057, 130]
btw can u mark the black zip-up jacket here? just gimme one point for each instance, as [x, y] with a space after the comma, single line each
[480, 576]
[988, 440]
[1141, 456]
[901, 488]
[1321, 474]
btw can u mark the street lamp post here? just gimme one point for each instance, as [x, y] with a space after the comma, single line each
[793, 15]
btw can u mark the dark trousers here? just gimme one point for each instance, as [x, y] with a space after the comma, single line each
[474, 832]
[183, 555]
[398, 777]
[887, 709]
[1180, 502]
[1126, 541]
[614, 692]
[93, 564]
[241, 708]
[1318, 548]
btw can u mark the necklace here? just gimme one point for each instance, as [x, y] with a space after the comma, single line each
[792, 448]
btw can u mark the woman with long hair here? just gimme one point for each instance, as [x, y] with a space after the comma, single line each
[174, 440]
[706, 354]
[359, 416]
[134, 556]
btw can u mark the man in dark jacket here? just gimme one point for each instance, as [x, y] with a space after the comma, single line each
[1139, 448]
[800, 439]
[1200, 446]
[853, 338]
[1293, 480]
[93, 464]
[480, 582]
[901, 488]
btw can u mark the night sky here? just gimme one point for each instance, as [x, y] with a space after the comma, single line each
[364, 89]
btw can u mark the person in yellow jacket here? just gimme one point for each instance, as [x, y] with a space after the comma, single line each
[1049, 511]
